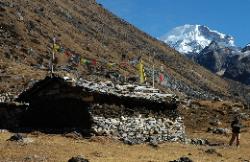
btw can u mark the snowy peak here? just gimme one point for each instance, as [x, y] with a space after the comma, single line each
[190, 39]
[213, 50]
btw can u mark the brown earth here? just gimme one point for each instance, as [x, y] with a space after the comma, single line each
[201, 113]
[54, 148]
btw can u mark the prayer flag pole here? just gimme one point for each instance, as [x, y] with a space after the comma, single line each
[53, 57]
[154, 70]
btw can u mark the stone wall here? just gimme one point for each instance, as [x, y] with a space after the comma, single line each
[136, 130]
[6, 97]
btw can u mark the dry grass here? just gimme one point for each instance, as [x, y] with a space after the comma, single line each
[57, 148]
[18, 76]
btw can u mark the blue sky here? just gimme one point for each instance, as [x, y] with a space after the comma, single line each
[157, 17]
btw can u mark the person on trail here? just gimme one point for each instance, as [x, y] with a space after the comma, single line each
[236, 126]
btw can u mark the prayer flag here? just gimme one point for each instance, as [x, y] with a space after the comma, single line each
[84, 61]
[94, 62]
[110, 65]
[56, 47]
[161, 77]
[141, 72]
[67, 53]
[124, 64]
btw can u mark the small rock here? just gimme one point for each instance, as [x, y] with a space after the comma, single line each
[34, 158]
[215, 122]
[124, 135]
[210, 151]
[199, 141]
[224, 131]
[17, 137]
[221, 131]
[153, 142]
[182, 159]
[213, 151]
[73, 135]
[216, 144]
[154, 145]
[128, 141]
[244, 116]
[78, 159]
[20, 17]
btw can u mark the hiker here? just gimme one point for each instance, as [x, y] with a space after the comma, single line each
[236, 126]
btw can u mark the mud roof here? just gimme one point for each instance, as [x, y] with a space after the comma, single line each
[36, 87]
[71, 87]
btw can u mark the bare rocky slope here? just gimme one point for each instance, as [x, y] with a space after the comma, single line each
[87, 30]
[228, 62]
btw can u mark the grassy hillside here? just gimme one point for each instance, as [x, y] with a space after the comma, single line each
[87, 30]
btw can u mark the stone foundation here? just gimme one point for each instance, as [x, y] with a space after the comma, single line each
[135, 130]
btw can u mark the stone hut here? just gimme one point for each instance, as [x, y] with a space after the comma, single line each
[133, 113]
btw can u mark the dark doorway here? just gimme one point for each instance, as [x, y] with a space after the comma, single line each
[57, 113]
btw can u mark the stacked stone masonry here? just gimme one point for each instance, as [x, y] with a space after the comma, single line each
[138, 130]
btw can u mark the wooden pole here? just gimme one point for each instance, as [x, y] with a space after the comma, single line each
[154, 70]
[53, 58]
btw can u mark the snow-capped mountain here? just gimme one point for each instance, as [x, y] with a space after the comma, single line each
[190, 39]
[213, 50]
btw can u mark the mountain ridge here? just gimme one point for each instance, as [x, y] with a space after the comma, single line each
[233, 62]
